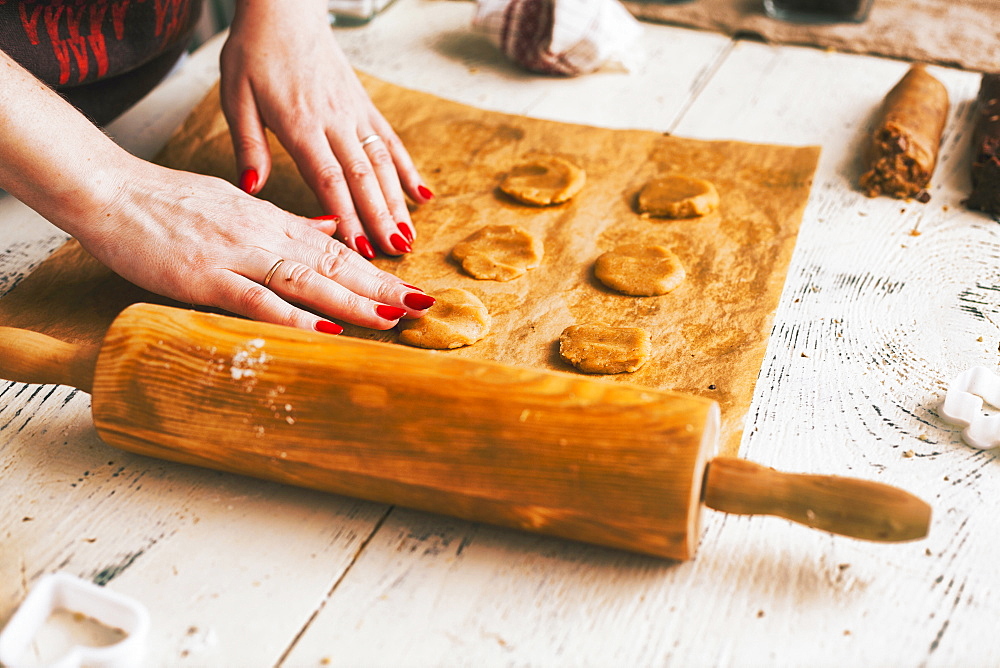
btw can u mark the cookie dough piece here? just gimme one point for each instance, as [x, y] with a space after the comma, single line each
[640, 270]
[458, 318]
[678, 196]
[498, 252]
[544, 180]
[902, 150]
[600, 348]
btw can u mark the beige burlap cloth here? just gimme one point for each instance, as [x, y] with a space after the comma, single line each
[957, 33]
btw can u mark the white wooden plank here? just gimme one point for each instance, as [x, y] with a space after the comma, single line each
[457, 594]
[27, 240]
[217, 558]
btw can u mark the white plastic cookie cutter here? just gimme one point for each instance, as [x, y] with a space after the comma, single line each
[62, 591]
[963, 406]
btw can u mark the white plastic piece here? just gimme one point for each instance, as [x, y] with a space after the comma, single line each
[62, 591]
[963, 406]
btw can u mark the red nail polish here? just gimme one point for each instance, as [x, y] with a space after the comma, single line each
[419, 301]
[407, 232]
[248, 180]
[332, 216]
[412, 287]
[400, 244]
[389, 312]
[328, 327]
[364, 247]
[425, 192]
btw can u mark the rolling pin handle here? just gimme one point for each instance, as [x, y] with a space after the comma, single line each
[845, 506]
[31, 357]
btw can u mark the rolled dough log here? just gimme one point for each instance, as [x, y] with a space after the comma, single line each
[902, 150]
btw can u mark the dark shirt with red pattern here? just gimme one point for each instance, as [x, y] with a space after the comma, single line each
[102, 55]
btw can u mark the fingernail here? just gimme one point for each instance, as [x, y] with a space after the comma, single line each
[328, 327]
[248, 180]
[389, 312]
[400, 244]
[419, 301]
[412, 287]
[425, 192]
[407, 232]
[332, 216]
[364, 247]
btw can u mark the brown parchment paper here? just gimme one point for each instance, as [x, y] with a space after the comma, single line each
[709, 335]
[962, 33]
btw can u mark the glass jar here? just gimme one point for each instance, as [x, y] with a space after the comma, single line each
[818, 11]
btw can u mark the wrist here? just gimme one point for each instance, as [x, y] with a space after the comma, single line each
[77, 189]
[95, 199]
[69, 175]
[278, 12]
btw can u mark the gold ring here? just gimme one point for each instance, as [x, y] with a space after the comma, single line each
[270, 274]
[369, 139]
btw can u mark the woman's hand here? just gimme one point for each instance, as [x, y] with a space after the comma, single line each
[282, 70]
[193, 238]
[200, 240]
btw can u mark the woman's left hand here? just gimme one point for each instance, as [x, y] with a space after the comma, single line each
[283, 70]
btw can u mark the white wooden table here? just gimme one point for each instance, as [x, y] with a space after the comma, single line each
[885, 302]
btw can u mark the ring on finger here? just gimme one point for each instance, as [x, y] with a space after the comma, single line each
[270, 273]
[369, 139]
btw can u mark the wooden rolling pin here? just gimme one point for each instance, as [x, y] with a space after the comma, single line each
[560, 454]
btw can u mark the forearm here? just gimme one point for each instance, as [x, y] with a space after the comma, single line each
[195, 238]
[51, 157]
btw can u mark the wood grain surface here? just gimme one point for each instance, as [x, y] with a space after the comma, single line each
[709, 335]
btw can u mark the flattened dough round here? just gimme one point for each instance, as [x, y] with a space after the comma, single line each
[458, 318]
[498, 252]
[641, 270]
[600, 348]
[544, 180]
[678, 196]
